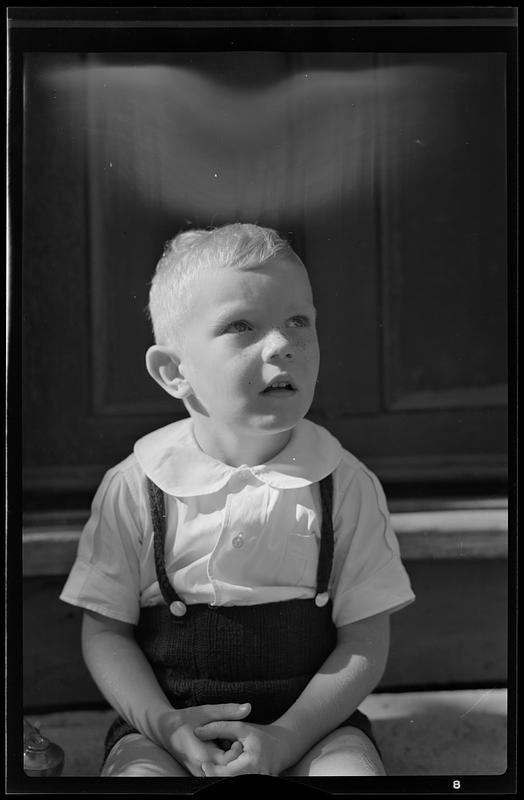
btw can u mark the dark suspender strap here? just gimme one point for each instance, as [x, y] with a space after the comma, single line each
[327, 545]
[158, 516]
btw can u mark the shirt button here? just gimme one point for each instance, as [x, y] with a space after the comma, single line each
[238, 540]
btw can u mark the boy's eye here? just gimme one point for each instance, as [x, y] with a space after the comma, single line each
[239, 326]
[299, 322]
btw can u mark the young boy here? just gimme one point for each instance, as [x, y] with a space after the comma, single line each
[239, 568]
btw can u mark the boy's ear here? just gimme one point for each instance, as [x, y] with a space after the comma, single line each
[164, 367]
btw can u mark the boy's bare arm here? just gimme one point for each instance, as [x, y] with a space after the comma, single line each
[122, 673]
[127, 681]
[348, 675]
[346, 678]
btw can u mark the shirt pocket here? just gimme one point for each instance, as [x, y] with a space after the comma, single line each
[298, 566]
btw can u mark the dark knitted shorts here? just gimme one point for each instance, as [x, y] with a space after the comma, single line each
[262, 654]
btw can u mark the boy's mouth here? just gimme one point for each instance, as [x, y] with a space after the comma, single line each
[280, 387]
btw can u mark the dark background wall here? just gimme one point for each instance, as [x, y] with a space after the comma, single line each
[388, 173]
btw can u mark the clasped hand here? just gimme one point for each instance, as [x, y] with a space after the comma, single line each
[255, 749]
[192, 752]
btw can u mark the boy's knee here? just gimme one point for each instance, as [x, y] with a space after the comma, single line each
[142, 768]
[134, 756]
[347, 752]
[124, 771]
[357, 761]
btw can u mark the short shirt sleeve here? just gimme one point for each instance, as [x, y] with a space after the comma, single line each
[368, 575]
[105, 576]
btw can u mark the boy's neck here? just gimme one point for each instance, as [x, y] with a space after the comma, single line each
[237, 450]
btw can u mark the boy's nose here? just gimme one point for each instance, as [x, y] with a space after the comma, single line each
[277, 346]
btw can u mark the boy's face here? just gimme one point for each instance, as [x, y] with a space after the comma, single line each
[250, 351]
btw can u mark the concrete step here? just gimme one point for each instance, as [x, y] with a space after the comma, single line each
[419, 733]
[50, 541]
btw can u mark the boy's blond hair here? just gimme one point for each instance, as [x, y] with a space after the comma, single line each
[189, 255]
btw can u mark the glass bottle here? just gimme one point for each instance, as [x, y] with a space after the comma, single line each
[42, 758]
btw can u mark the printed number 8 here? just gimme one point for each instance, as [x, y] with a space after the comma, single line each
[456, 784]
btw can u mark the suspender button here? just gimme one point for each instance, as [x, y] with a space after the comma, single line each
[321, 599]
[178, 608]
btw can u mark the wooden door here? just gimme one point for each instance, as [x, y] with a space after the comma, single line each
[387, 172]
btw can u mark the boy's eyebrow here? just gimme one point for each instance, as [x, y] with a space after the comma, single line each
[235, 309]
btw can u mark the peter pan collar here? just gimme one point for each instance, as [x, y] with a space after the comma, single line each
[173, 460]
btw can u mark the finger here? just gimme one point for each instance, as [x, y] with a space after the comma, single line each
[217, 756]
[231, 754]
[240, 766]
[216, 730]
[227, 710]
[211, 770]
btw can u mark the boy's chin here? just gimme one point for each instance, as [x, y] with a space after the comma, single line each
[275, 424]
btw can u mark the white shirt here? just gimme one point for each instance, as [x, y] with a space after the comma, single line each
[238, 535]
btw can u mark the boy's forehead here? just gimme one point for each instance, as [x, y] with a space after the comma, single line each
[286, 275]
